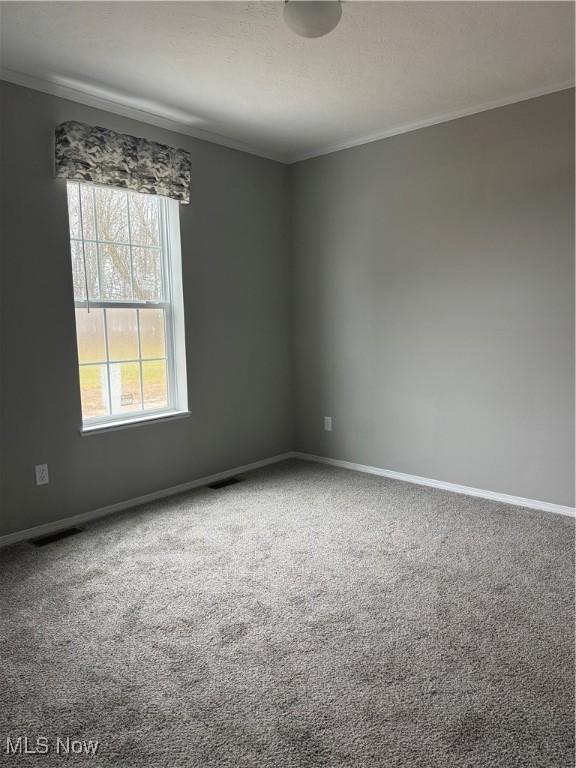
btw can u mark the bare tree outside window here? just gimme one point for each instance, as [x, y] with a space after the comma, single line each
[122, 296]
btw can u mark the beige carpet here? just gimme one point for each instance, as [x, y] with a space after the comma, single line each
[307, 616]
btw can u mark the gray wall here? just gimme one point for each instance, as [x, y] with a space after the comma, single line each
[236, 272]
[428, 303]
[434, 290]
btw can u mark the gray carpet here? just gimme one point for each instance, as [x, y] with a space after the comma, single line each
[307, 616]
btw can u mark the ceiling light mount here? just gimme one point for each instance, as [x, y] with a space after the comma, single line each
[310, 18]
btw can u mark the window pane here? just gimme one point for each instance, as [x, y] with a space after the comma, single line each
[78, 270]
[111, 214]
[147, 274]
[94, 390]
[90, 336]
[118, 259]
[122, 334]
[152, 343]
[144, 219]
[88, 228]
[154, 383]
[91, 256]
[74, 209]
[115, 270]
[125, 387]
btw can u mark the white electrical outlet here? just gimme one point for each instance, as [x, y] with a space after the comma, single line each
[328, 423]
[41, 471]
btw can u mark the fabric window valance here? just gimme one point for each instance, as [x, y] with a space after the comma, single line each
[90, 153]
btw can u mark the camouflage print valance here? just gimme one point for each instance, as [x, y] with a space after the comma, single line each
[89, 153]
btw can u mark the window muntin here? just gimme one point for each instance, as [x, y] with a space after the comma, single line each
[122, 248]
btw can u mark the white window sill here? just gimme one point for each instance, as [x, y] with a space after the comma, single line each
[94, 429]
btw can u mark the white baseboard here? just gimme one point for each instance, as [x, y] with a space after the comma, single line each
[544, 506]
[57, 525]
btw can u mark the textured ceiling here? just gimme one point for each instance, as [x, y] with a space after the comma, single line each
[235, 70]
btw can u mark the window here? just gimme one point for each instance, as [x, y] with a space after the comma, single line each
[125, 249]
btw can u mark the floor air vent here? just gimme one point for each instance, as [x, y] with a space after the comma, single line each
[224, 483]
[44, 540]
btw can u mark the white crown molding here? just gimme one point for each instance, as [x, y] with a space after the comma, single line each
[178, 126]
[444, 117]
[85, 517]
[504, 498]
[134, 113]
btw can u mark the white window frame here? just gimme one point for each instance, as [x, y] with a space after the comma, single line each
[172, 302]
